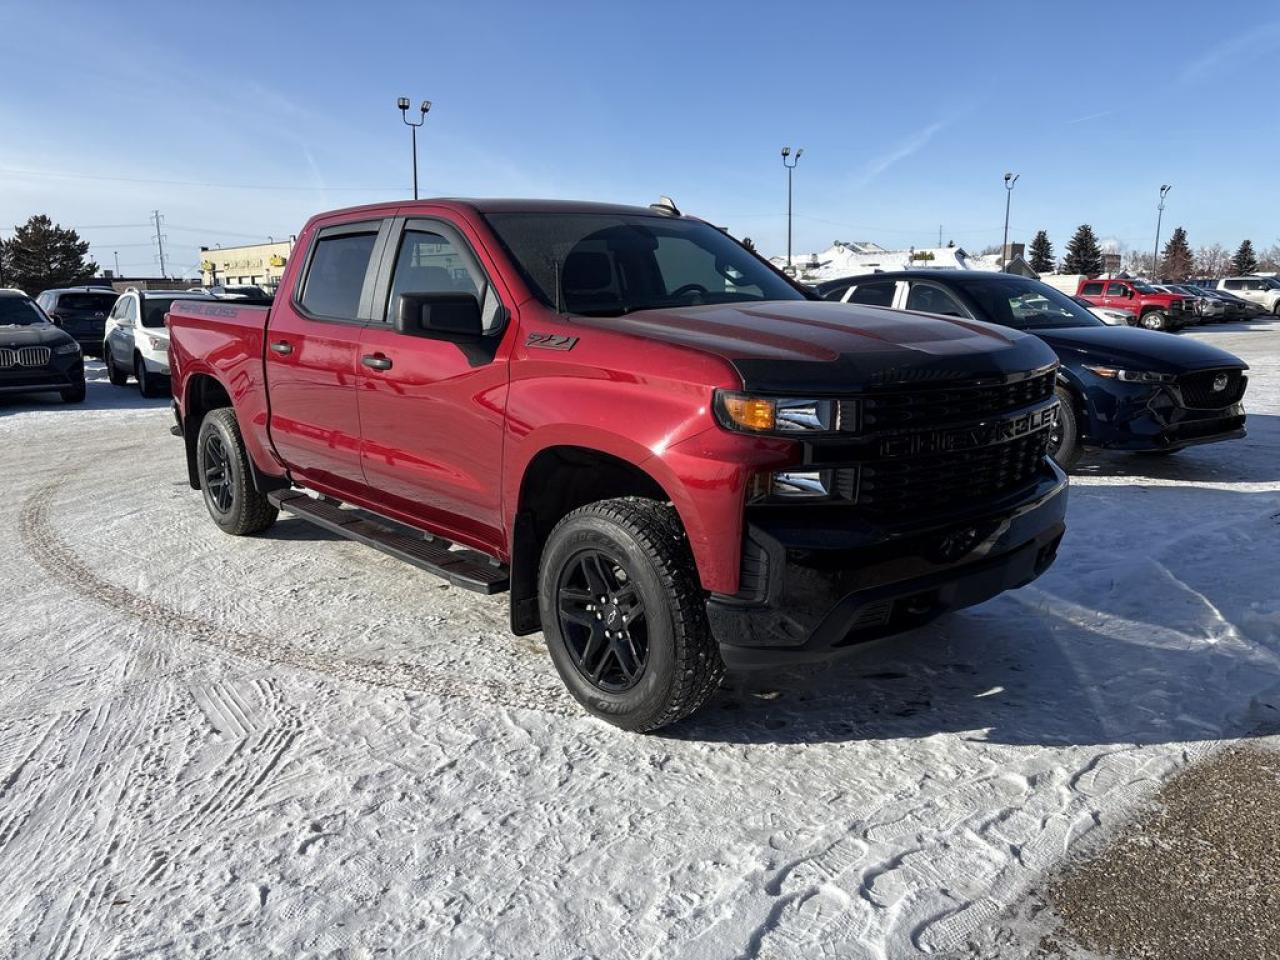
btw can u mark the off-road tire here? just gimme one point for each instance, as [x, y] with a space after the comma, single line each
[682, 666]
[248, 511]
[1069, 449]
[148, 383]
[117, 376]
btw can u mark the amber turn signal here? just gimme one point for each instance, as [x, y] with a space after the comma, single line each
[750, 413]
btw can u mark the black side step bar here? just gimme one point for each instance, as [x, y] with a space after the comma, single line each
[462, 568]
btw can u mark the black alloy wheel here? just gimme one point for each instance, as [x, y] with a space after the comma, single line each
[219, 480]
[602, 620]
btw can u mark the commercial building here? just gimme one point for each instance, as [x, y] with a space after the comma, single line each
[259, 264]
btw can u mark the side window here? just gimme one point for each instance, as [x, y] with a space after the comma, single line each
[1116, 290]
[927, 298]
[432, 263]
[1091, 290]
[1234, 285]
[878, 293]
[336, 274]
[1254, 285]
[835, 293]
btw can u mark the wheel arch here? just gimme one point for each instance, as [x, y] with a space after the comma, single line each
[203, 393]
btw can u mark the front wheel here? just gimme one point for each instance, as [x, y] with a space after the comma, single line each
[624, 615]
[1155, 320]
[117, 376]
[148, 383]
[1064, 435]
[74, 394]
[226, 480]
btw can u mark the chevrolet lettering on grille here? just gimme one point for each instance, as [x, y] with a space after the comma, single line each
[984, 434]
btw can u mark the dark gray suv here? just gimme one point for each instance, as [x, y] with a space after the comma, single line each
[81, 312]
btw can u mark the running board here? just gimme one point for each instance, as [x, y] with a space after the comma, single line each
[463, 568]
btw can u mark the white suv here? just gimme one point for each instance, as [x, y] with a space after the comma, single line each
[136, 341]
[1264, 291]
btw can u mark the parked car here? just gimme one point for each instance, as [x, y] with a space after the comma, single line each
[1155, 309]
[1264, 291]
[81, 312]
[35, 356]
[1207, 309]
[1119, 388]
[136, 340]
[670, 453]
[1245, 309]
[1109, 316]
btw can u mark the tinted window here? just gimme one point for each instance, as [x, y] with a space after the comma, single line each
[608, 264]
[877, 293]
[1117, 290]
[927, 298]
[98, 302]
[835, 293]
[1027, 305]
[432, 263]
[1234, 284]
[19, 311]
[1091, 290]
[336, 275]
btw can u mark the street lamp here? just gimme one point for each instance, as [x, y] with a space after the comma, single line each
[403, 104]
[790, 164]
[1009, 180]
[1155, 254]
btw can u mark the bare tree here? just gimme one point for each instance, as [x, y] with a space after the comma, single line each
[1212, 261]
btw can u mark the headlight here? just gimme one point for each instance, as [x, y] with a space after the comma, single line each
[780, 416]
[1131, 376]
[67, 348]
[157, 343]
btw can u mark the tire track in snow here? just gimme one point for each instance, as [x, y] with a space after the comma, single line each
[61, 562]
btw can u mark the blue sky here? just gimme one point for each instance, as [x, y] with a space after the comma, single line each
[909, 115]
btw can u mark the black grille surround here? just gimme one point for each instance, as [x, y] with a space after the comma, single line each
[1198, 392]
[920, 407]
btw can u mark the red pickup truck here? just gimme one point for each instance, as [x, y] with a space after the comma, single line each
[671, 455]
[1154, 309]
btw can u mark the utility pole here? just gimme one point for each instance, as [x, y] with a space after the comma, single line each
[939, 236]
[116, 254]
[159, 239]
[1155, 254]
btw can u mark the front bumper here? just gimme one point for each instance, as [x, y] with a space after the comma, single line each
[1139, 417]
[815, 588]
[63, 373]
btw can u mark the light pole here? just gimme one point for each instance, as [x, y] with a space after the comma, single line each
[1155, 253]
[1009, 180]
[790, 162]
[116, 254]
[403, 104]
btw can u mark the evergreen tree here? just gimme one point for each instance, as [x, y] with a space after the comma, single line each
[43, 255]
[1177, 262]
[1041, 253]
[1245, 261]
[1083, 253]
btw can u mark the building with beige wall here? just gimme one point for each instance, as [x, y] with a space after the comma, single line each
[261, 264]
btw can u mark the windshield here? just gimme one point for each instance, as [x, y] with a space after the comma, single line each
[1144, 287]
[101, 302]
[19, 312]
[1027, 305]
[608, 264]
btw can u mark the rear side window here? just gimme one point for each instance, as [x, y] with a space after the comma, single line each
[1091, 290]
[336, 275]
[1234, 284]
[875, 294]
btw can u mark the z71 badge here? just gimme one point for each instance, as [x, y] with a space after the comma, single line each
[550, 341]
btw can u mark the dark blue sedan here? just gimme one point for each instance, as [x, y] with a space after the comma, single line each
[1121, 388]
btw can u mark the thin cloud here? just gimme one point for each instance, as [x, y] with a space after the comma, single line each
[900, 151]
[1092, 116]
[1250, 44]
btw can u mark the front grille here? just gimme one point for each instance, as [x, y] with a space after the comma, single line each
[923, 484]
[24, 357]
[1198, 393]
[935, 407]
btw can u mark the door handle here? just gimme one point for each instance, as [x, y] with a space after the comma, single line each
[282, 347]
[376, 361]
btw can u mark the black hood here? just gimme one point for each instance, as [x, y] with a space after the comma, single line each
[36, 335]
[1137, 349]
[805, 346]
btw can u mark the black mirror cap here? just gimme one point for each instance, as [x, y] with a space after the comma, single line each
[445, 315]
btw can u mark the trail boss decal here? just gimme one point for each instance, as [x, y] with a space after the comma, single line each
[550, 341]
[985, 434]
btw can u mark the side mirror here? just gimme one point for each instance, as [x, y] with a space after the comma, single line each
[442, 315]
[1128, 292]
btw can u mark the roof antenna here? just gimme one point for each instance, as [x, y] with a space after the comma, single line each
[666, 205]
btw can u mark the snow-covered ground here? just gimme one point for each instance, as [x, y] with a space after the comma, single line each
[293, 746]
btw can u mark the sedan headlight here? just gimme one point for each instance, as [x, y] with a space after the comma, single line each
[1131, 376]
[779, 416]
[67, 348]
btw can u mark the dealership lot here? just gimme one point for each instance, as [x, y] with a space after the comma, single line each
[293, 743]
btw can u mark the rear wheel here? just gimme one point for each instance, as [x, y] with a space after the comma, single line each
[624, 615]
[117, 376]
[1064, 435]
[1155, 320]
[226, 480]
